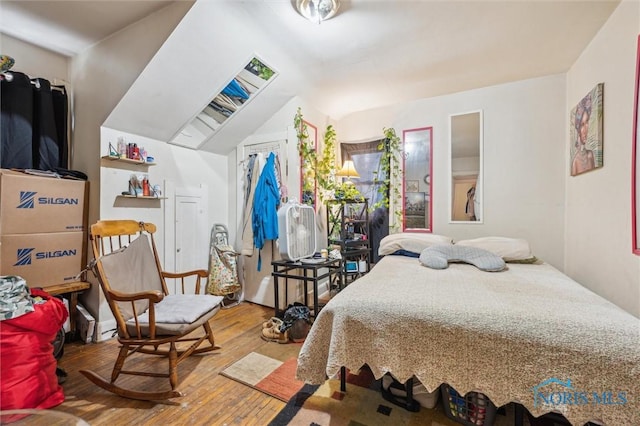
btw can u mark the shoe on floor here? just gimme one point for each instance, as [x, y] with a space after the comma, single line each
[273, 334]
[273, 321]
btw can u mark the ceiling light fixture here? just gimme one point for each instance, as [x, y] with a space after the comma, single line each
[317, 11]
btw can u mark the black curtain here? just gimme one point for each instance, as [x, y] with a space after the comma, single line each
[33, 126]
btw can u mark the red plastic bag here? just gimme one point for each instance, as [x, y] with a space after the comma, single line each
[26, 354]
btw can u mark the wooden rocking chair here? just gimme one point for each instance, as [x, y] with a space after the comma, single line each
[149, 319]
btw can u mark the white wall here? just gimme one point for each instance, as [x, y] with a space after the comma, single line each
[176, 167]
[36, 61]
[524, 127]
[598, 203]
[100, 76]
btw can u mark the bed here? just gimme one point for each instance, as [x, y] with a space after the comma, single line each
[528, 334]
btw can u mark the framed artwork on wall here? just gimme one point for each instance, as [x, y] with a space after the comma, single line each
[415, 203]
[586, 128]
[415, 210]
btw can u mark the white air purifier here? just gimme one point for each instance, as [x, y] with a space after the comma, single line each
[297, 231]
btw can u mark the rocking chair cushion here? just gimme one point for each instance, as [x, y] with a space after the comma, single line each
[182, 308]
[177, 313]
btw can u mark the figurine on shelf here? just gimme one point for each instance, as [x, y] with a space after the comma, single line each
[135, 185]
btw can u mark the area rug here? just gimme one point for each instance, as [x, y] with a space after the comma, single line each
[271, 369]
[361, 405]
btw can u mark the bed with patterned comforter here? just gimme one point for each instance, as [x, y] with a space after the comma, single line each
[528, 334]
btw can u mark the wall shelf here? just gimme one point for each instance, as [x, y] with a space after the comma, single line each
[127, 160]
[141, 197]
[133, 165]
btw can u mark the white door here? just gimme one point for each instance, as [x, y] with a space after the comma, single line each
[191, 236]
[258, 285]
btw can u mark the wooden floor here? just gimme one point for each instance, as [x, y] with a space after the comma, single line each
[210, 399]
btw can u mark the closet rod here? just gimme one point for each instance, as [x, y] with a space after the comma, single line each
[8, 76]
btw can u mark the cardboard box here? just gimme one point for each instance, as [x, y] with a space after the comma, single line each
[43, 259]
[85, 324]
[34, 204]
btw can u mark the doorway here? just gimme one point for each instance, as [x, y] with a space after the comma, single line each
[187, 241]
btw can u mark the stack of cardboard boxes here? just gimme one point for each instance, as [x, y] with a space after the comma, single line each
[43, 228]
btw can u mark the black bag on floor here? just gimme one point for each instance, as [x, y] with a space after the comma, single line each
[297, 319]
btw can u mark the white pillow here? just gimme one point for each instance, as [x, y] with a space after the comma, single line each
[414, 242]
[510, 249]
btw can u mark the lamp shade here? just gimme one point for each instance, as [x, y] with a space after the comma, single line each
[317, 10]
[348, 170]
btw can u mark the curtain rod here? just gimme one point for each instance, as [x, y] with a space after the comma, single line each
[8, 76]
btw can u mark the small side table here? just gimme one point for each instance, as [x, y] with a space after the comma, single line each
[305, 272]
[73, 290]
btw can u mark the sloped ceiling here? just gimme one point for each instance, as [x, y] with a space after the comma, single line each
[69, 27]
[209, 47]
[371, 54]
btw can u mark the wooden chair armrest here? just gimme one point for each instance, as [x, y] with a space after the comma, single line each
[199, 272]
[153, 296]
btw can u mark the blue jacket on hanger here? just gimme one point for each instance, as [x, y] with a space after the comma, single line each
[265, 207]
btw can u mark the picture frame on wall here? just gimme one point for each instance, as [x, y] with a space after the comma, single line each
[586, 131]
[415, 213]
[415, 203]
[412, 186]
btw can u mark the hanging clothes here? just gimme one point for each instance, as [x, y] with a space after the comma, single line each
[33, 123]
[470, 207]
[282, 188]
[16, 124]
[477, 201]
[254, 168]
[265, 206]
[251, 161]
[45, 135]
[60, 101]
